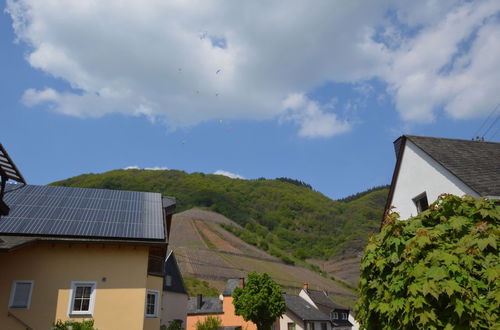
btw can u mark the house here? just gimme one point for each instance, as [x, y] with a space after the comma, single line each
[175, 296]
[302, 315]
[75, 253]
[338, 314]
[427, 167]
[199, 308]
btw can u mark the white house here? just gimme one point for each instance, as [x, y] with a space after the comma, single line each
[427, 167]
[337, 315]
[302, 315]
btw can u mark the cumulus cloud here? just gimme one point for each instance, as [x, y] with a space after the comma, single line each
[313, 119]
[133, 167]
[155, 168]
[185, 62]
[229, 174]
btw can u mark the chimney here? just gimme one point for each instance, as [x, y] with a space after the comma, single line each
[242, 282]
[199, 299]
[306, 286]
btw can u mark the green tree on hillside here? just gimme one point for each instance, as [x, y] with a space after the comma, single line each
[260, 301]
[440, 269]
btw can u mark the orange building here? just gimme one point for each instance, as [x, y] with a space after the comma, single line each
[199, 308]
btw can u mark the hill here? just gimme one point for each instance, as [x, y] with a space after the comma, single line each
[284, 217]
[207, 251]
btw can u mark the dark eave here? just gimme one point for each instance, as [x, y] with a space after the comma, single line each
[11, 242]
[401, 143]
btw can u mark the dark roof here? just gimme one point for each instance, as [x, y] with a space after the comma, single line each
[7, 167]
[84, 213]
[172, 269]
[324, 303]
[476, 163]
[231, 284]
[209, 305]
[304, 310]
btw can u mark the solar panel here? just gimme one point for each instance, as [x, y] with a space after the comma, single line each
[83, 212]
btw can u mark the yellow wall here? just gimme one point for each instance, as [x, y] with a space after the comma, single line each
[154, 283]
[120, 297]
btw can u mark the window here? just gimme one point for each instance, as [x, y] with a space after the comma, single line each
[82, 298]
[310, 326]
[291, 326]
[168, 280]
[20, 295]
[323, 326]
[345, 316]
[334, 316]
[421, 202]
[152, 303]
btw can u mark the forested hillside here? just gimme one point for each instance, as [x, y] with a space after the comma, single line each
[281, 215]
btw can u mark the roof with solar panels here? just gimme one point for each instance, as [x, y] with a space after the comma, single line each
[32, 212]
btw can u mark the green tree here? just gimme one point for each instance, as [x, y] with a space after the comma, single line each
[210, 323]
[440, 269]
[260, 301]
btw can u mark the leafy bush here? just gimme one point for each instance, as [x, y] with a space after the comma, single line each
[440, 269]
[210, 323]
[74, 325]
[173, 325]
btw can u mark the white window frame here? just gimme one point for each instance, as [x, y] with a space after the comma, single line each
[13, 290]
[72, 293]
[156, 293]
[345, 316]
[334, 315]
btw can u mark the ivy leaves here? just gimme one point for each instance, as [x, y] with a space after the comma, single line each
[438, 270]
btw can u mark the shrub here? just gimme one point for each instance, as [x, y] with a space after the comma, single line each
[74, 325]
[210, 323]
[440, 269]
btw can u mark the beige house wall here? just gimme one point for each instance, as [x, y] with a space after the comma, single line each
[119, 272]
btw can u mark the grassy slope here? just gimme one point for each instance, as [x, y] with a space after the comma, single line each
[207, 251]
[293, 219]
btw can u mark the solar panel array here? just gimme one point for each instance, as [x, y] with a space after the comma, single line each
[82, 212]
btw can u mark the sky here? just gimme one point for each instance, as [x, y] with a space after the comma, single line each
[311, 90]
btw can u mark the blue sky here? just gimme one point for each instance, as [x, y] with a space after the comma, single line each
[313, 92]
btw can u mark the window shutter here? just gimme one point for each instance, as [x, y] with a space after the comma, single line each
[21, 295]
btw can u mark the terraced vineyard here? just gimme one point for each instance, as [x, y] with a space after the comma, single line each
[206, 251]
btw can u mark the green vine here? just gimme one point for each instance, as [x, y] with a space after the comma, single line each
[438, 270]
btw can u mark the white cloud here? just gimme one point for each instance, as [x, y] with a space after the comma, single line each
[453, 63]
[229, 174]
[161, 59]
[133, 167]
[314, 121]
[155, 168]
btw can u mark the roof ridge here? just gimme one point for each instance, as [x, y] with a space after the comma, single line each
[451, 139]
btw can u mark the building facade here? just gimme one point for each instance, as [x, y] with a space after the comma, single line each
[74, 254]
